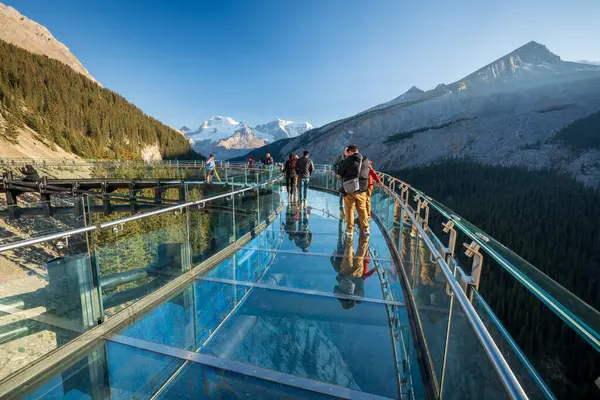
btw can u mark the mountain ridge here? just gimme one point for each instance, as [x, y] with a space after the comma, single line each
[225, 137]
[17, 29]
[504, 113]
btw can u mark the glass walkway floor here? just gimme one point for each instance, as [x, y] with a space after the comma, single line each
[230, 291]
[297, 312]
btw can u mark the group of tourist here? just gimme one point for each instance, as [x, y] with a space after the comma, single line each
[358, 179]
[297, 177]
[266, 162]
[355, 171]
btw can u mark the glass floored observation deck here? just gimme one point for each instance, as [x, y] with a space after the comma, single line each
[252, 296]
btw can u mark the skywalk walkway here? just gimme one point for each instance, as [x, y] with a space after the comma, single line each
[243, 294]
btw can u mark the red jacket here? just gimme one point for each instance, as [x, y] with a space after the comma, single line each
[372, 175]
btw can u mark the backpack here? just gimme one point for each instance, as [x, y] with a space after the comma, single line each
[353, 185]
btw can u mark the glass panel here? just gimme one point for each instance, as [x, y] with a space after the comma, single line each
[211, 228]
[532, 383]
[186, 320]
[139, 256]
[468, 373]
[47, 298]
[31, 218]
[307, 336]
[109, 370]
[312, 337]
[430, 297]
[584, 318]
[199, 381]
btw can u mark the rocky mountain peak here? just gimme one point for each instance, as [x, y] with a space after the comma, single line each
[414, 90]
[534, 53]
[242, 138]
[19, 30]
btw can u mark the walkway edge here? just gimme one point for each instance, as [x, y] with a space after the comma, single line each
[22, 380]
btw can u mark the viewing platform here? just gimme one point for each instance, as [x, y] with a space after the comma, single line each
[234, 290]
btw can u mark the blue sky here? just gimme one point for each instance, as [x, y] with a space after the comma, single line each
[315, 60]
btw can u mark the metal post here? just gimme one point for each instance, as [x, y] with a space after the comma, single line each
[235, 236]
[93, 262]
[105, 198]
[132, 197]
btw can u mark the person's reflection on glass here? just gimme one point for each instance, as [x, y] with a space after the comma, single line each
[353, 271]
[290, 225]
[429, 291]
[338, 253]
[304, 235]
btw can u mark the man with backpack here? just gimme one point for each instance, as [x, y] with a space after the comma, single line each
[354, 172]
[304, 169]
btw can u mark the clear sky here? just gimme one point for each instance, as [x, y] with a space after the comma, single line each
[314, 60]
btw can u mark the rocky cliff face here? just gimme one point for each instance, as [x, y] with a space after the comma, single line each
[23, 32]
[505, 113]
[243, 138]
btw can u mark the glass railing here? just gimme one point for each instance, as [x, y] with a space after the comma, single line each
[459, 353]
[65, 273]
[536, 359]
[546, 322]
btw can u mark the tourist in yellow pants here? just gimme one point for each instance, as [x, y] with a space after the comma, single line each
[354, 172]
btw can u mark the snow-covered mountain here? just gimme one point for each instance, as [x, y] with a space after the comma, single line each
[281, 129]
[589, 62]
[505, 113]
[226, 138]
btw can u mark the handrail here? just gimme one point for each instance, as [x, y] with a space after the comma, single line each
[505, 373]
[59, 235]
[180, 206]
[45, 238]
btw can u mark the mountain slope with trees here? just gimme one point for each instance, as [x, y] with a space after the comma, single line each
[68, 110]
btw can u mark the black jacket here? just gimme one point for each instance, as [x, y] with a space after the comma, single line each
[304, 167]
[288, 170]
[348, 169]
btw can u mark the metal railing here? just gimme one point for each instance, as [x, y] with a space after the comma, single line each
[505, 373]
[64, 234]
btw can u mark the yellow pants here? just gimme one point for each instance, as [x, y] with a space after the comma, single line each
[353, 264]
[358, 201]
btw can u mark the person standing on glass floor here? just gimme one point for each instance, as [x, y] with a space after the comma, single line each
[210, 168]
[354, 172]
[304, 169]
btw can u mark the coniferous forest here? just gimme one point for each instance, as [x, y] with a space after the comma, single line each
[69, 110]
[551, 221]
